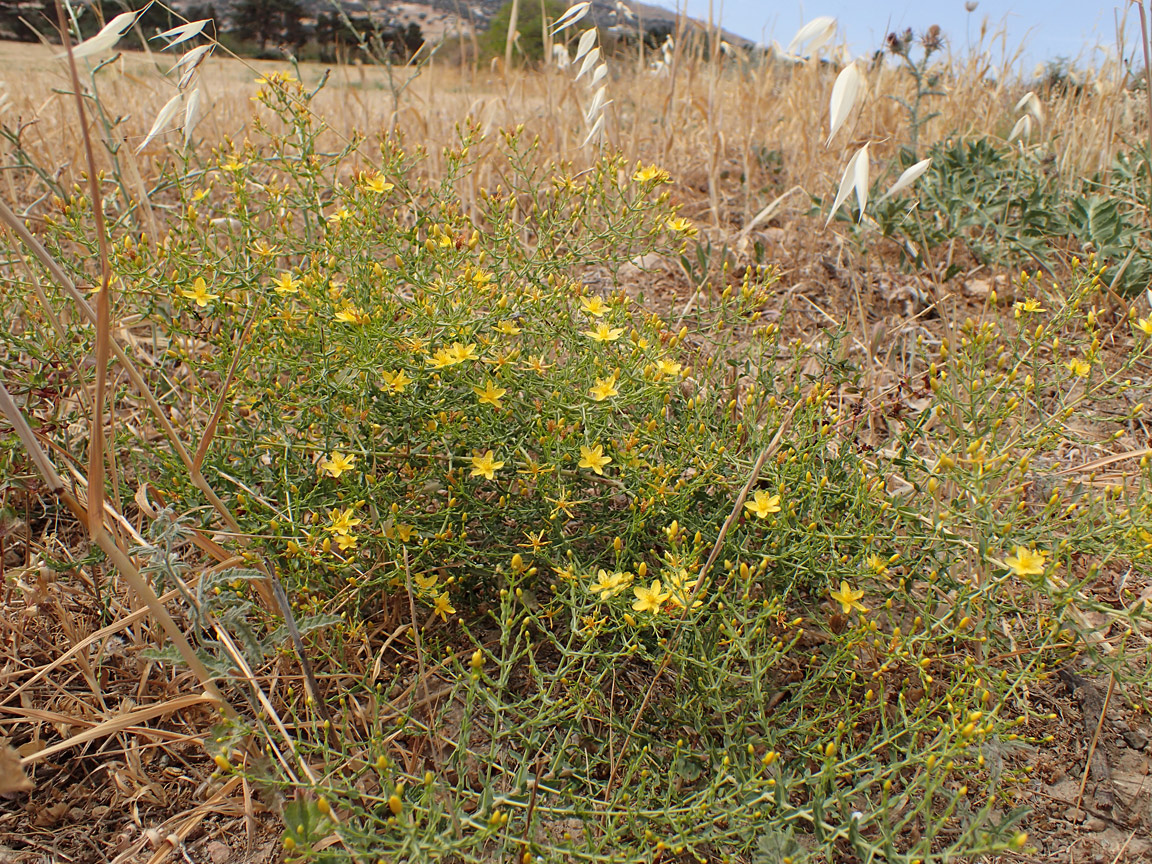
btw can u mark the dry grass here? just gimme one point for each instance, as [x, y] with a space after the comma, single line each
[711, 125]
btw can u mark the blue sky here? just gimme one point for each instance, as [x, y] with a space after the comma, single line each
[1048, 28]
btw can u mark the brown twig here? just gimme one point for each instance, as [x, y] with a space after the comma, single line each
[1095, 739]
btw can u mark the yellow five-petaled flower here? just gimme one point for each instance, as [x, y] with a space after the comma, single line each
[604, 388]
[848, 598]
[286, 284]
[763, 504]
[352, 315]
[650, 173]
[650, 599]
[1079, 368]
[395, 381]
[680, 225]
[199, 293]
[594, 306]
[337, 464]
[342, 521]
[486, 466]
[1029, 305]
[608, 585]
[375, 183]
[594, 458]
[443, 606]
[1026, 562]
[603, 333]
[490, 393]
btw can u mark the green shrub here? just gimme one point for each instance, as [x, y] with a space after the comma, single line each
[580, 581]
[530, 25]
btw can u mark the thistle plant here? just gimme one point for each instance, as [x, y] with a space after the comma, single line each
[925, 78]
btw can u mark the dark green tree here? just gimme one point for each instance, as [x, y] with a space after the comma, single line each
[20, 19]
[528, 23]
[264, 21]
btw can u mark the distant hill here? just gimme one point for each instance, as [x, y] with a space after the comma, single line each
[439, 18]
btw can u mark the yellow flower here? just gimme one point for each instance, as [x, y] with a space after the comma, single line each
[263, 249]
[1079, 368]
[486, 466]
[605, 388]
[352, 315]
[375, 183]
[341, 215]
[490, 394]
[763, 504]
[342, 521]
[346, 541]
[443, 606]
[1026, 562]
[460, 353]
[441, 358]
[877, 565]
[233, 164]
[337, 464]
[848, 599]
[650, 173]
[667, 367]
[594, 306]
[603, 333]
[536, 364]
[594, 458]
[199, 293]
[508, 328]
[1145, 326]
[680, 589]
[286, 284]
[425, 581]
[650, 599]
[1030, 305]
[610, 584]
[680, 225]
[395, 381]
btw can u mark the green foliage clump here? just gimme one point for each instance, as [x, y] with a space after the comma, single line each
[1008, 203]
[583, 580]
[532, 17]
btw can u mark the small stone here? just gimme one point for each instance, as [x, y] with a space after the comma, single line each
[1135, 739]
[1075, 815]
[1095, 824]
[219, 852]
